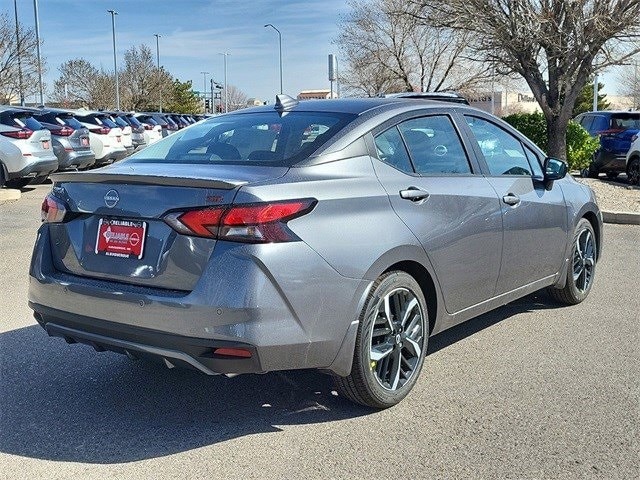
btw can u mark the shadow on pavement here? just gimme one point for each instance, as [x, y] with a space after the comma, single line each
[67, 403]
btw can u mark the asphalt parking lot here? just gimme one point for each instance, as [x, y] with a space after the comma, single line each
[529, 391]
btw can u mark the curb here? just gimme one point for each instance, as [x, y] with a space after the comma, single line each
[621, 218]
[9, 194]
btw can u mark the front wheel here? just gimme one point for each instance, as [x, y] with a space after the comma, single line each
[582, 268]
[390, 345]
[633, 171]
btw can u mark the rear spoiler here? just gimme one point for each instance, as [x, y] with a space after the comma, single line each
[137, 179]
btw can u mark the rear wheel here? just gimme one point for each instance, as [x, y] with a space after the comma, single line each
[391, 343]
[633, 171]
[592, 172]
[18, 182]
[582, 269]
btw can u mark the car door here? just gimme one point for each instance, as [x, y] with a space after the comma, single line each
[450, 207]
[534, 216]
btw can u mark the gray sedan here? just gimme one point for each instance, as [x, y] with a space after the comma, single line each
[336, 235]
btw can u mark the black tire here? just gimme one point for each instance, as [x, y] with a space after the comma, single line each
[574, 291]
[2, 178]
[612, 175]
[593, 172]
[18, 182]
[363, 385]
[633, 171]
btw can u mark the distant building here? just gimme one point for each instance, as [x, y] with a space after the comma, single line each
[323, 94]
[505, 103]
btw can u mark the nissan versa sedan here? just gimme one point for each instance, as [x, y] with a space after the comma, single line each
[244, 244]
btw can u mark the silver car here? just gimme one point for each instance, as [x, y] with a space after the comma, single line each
[70, 139]
[26, 153]
[244, 244]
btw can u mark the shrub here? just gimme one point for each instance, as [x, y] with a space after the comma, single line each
[580, 145]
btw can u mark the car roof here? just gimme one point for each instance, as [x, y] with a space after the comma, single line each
[611, 112]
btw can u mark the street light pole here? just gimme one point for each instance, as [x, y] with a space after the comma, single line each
[158, 63]
[280, 50]
[226, 91]
[115, 62]
[35, 11]
[19, 51]
[204, 93]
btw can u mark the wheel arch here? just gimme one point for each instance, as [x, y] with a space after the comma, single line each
[592, 218]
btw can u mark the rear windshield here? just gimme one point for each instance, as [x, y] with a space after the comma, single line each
[108, 122]
[120, 121]
[69, 121]
[133, 121]
[20, 120]
[265, 138]
[625, 121]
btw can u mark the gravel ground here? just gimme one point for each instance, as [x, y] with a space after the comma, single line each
[614, 195]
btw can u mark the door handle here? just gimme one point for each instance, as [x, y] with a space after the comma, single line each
[414, 194]
[511, 199]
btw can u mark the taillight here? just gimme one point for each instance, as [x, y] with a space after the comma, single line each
[101, 130]
[53, 210]
[634, 138]
[23, 134]
[252, 223]
[63, 132]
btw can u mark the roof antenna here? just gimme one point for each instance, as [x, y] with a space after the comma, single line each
[285, 103]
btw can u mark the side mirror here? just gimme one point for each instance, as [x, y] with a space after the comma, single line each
[554, 169]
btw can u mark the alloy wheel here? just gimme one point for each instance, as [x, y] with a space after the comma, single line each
[397, 338]
[583, 260]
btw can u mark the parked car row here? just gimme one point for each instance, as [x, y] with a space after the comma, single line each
[616, 130]
[35, 142]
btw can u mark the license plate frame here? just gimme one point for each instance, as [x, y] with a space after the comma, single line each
[122, 238]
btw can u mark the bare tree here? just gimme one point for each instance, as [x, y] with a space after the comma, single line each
[141, 80]
[17, 66]
[389, 47]
[555, 45]
[236, 98]
[629, 81]
[82, 85]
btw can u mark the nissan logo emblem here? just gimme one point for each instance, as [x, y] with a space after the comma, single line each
[111, 198]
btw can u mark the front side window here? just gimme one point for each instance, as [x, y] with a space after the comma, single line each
[250, 138]
[434, 146]
[502, 151]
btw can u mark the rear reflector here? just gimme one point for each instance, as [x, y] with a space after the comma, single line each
[233, 352]
[252, 223]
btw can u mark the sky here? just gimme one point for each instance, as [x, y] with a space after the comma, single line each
[195, 32]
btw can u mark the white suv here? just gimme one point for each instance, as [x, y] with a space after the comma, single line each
[633, 161]
[26, 153]
[105, 137]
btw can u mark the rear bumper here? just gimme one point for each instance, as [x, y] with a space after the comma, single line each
[72, 160]
[239, 301]
[36, 169]
[173, 350]
[610, 161]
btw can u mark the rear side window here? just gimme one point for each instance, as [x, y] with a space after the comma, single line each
[586, 122]
[434, 146]
[391, 150]
[252, 138]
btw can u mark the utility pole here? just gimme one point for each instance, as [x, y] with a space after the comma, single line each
[35, 11]
[204, 93]
[115, 62]
[19, 51]
[226, 91]
[158, 63]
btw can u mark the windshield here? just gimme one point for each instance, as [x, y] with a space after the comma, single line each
[265, 138]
